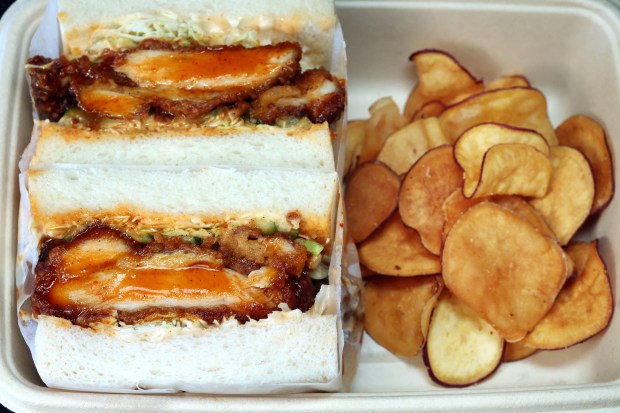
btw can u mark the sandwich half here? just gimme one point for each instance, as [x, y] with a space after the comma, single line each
[136, 262]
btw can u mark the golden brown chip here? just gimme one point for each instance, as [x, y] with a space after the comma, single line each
[584, 306]
[461, 348]
[453, 207]
[519, 107]
[440, 78]
[588, 137]
[430, 109]
[396, 310]
[472, 146]
[512, 169]
[434, 133]
[355, 132]
[425, 188]
[405, 146]
[517, 351]
[456, 204]
[571, 270]
[397, 250]
[502, 267]
[506, 82]
[526, 211]
[427, 311]
[385, 119]
[370, 198]
[571, 191]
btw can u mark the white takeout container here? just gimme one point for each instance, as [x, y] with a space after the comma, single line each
[568, 49]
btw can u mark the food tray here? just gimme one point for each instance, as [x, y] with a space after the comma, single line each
[568, 49]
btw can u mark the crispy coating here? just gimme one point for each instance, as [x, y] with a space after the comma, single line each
[101, 275]
[105, 89]
[316, 95]
[119, 85]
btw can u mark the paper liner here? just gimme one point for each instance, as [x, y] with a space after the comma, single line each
[344, 296]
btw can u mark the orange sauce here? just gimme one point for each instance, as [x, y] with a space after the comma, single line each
[142, 284]
[109, 103]
[174, 67]
[192, 281]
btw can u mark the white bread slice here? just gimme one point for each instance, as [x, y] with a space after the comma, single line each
[62, 196]
[90, 26]
[231, 358]
[260, 146]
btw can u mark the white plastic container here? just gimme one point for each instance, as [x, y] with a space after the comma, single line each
[568, 49]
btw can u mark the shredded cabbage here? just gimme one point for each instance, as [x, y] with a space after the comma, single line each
[170, 27]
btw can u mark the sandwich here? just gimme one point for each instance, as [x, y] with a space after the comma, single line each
[180, 221]
[122, 264]
[190, 62]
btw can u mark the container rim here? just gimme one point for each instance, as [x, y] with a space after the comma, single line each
[19, 394]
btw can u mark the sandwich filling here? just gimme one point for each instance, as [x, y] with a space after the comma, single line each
[167, 81]
[101, 275]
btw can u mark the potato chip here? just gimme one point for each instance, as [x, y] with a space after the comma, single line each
[425, 188]
[429, 307]
[519, 107]
[571, 192]
[385, 119]
[588, 137]
[433, 108]
[571, 269]
[512, 169]
[502, 267]
[441, 78]
[453, 207]
[456, 204]
[355, 133]
[434, 133]
[517, 351]
[584, 306]
[507, 82]
[372, 195]
[396, 311]
[462, 348]
[397, 250]
[526, 211]
[405, 146]
[473, 145]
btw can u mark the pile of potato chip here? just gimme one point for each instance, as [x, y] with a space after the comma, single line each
[463, 209]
